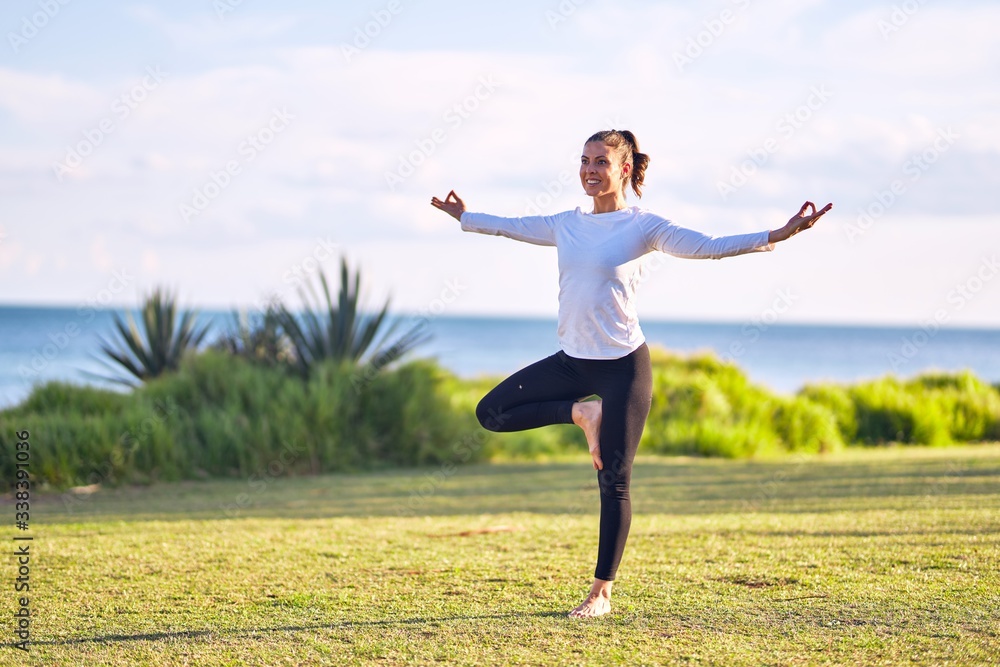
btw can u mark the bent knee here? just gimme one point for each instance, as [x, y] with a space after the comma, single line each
[488, 416]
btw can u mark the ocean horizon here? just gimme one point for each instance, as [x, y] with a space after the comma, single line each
[42, 343]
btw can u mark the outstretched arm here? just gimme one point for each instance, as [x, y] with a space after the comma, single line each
[798, 222]
[538, 230]
[664, 235]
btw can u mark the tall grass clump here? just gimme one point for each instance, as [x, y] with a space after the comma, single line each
[80, 434]
[703, 406]
[929, 409]
[222, 416]
[228, 415]
[257, 337]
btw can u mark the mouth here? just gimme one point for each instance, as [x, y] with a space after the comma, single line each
[592, 181]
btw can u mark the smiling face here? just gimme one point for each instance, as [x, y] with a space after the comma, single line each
[601, 171]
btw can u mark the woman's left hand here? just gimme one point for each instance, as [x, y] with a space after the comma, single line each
[801, 220]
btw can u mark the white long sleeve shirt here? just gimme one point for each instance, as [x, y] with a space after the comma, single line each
[601, 264]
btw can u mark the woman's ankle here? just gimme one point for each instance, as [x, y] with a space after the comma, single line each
[602, 587]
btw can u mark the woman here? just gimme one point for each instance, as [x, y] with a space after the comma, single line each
[603, 351]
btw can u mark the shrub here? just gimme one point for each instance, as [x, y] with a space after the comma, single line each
[339, 331]
[706, 407]
[161, 344]
[837, 400]
[64, 397]
[225, 415]
[221, 415]
[257, 337]
[930, 409]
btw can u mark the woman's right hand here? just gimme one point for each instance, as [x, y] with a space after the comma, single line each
[451, 205]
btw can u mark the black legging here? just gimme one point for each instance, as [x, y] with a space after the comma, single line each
[544, 392]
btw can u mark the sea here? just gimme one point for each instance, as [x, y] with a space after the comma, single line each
[43, 343]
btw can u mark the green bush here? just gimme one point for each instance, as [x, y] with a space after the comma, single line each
[968, 407]
[930, 409]
[702, 406]
[220, 415]
[838, 401]
[65, 397]
[806, 427]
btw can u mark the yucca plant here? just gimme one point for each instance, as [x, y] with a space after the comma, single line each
[339, 331]
[258, 338]
[161, 344]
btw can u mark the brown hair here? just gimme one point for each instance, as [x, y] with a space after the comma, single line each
[627, 147]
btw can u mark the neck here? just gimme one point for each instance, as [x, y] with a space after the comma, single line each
[609, 202]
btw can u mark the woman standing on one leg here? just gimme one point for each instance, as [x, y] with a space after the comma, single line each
[602, 348]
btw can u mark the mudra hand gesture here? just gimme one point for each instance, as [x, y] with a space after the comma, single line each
[801, 220]
[451, 205]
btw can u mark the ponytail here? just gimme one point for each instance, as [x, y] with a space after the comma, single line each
[625, 143]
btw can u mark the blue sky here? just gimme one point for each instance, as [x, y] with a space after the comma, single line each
[232, 146]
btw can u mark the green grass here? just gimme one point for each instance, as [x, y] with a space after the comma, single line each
[866, 557]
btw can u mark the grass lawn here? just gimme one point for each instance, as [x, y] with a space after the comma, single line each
[866, 558]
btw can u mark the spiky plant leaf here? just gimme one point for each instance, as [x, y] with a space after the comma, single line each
[329, 329]
[160, 345]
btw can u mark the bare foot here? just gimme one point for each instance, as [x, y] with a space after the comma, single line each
[587, 415]
[596, 604]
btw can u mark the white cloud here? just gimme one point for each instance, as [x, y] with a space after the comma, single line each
[354, 121]
[213, 29]
[46, 101]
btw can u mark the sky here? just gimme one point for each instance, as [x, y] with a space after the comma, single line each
[230, 150]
